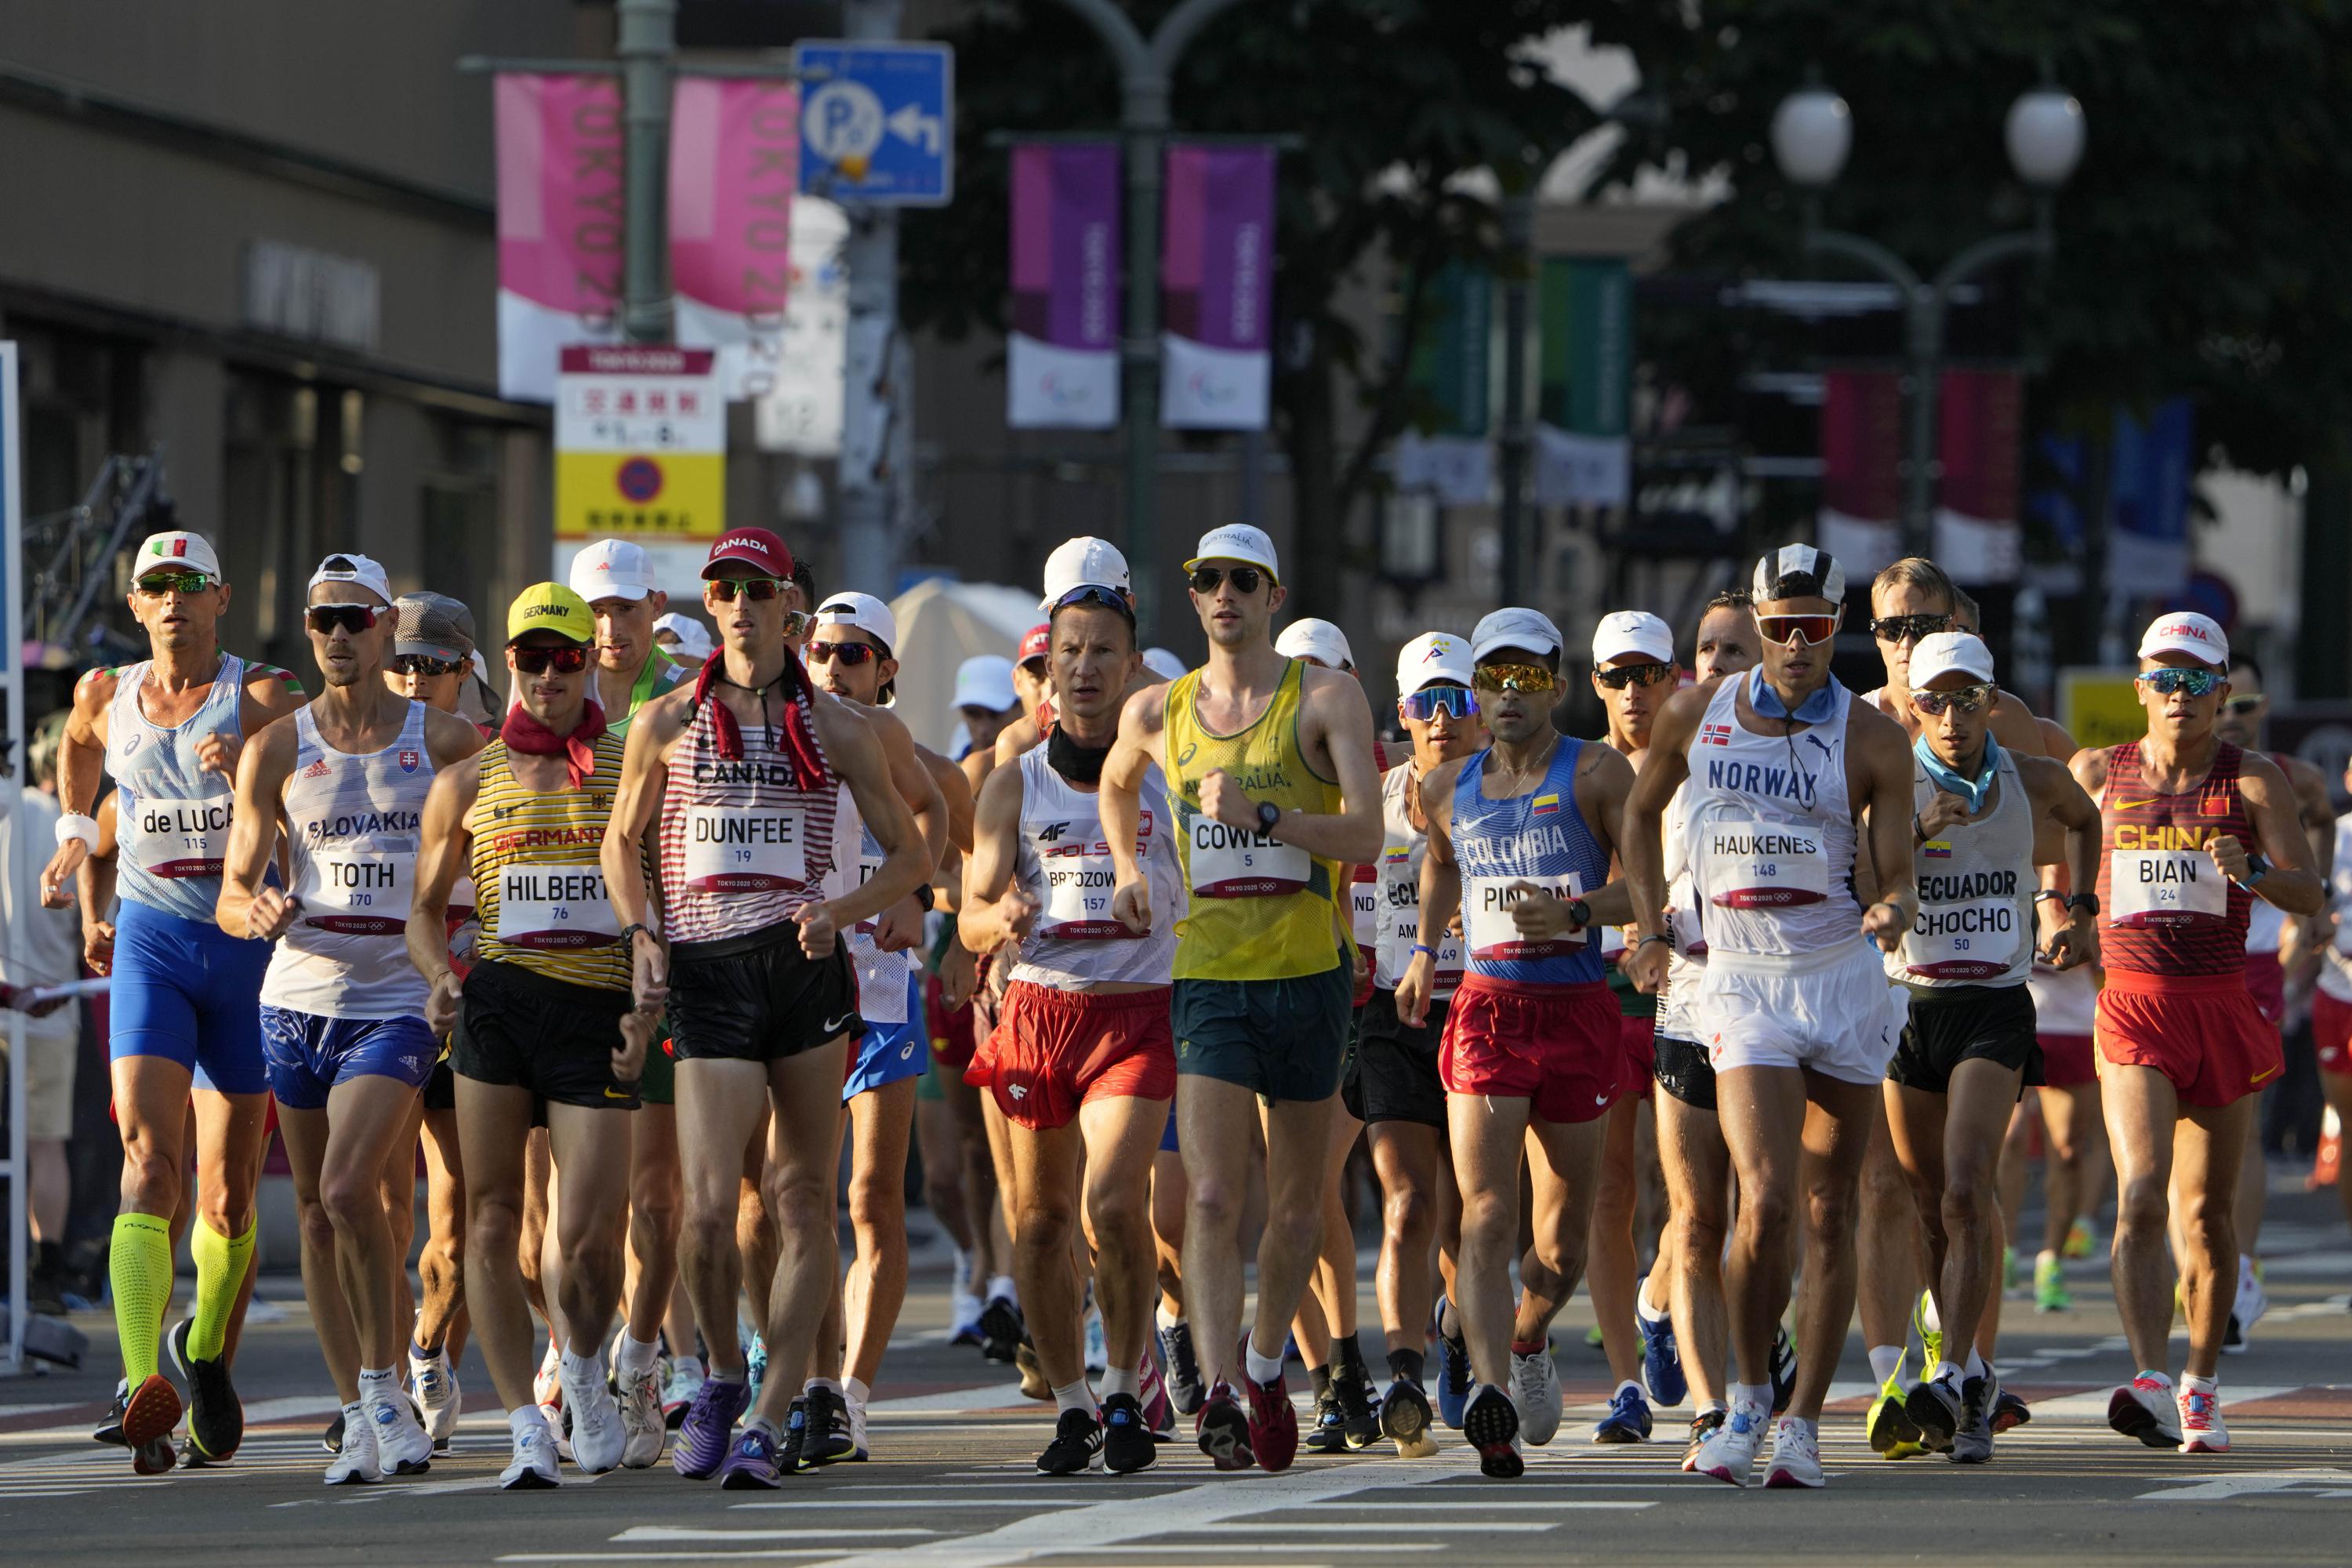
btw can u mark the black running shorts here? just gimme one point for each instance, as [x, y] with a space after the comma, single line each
[548, 1036]
[758, 998]
[1393, 1072]
[1684, 1072]
[1953, 1024]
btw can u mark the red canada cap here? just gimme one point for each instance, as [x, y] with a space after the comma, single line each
[756, 545]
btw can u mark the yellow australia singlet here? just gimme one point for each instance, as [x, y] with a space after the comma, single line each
[1255, 909]
[539, 890]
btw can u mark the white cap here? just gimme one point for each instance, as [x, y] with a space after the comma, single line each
[1163, 663]
[1432, 656]
[1237, 541]
[1314, 640]
[693, 637]
[345, 567]
[2185, 631]
[1818, 574]
[1514, 628]
[1621, 632]
[612, 569]
[1945, 652]
[178, 548]
[1082, 562]
[985, 681]
[867, 612]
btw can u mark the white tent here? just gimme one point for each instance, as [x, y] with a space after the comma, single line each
[941, 624]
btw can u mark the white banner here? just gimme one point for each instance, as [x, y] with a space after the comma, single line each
[1057, 388]
[801, 412]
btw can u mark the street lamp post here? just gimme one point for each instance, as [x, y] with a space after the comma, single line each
[1812, 132]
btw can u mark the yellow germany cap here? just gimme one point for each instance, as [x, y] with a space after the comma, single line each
[552, 608]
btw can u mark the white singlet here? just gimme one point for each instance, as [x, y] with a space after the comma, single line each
[1686, 964]
[882, 976]
[1063, 861]
[1975, 924]
[2336, 975]
[1403, 847]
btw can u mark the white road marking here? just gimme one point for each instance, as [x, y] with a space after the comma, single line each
[2211, 1488]
[763, 1554]
[1042, 1499]
[692, 1532]
[2094, 1404]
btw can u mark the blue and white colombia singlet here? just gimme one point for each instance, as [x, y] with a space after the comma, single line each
[1538, 838]
[171, 821]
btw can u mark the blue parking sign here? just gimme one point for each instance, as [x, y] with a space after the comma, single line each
[877, 122]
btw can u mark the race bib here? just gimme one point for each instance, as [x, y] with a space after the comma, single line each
[555, 907]
[182, 837]
[1078, 899]
[881, 986]
[359, 892]
[732, 850]
[2165, 887]
[1488, 930]
[1964, 941]
[1366, 927]
[1243, 863]
[1763, 865]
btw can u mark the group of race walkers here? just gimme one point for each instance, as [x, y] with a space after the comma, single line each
[631, 959]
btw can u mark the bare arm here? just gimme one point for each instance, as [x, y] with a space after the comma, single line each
[2063, 812]
[2290, 884]
[246, 908]
[645, 776]
[1641, 842]
[1338, 720]
[1604, 781]
[81, 765]
[1441, 893]
[450, 738]
[994, 912]
[439, 859]
[1141, 741]
[1878, 748]
[95, 886]
[858, 758]
[957, 795]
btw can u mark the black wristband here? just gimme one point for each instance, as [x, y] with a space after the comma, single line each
[1651, 938]
[628, 933]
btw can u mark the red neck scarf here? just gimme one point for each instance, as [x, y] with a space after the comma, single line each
[526, 735]
[798, 718]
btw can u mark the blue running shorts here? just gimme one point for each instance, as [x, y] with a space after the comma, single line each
[310, 1055]
[187, 989]
[888, 1052]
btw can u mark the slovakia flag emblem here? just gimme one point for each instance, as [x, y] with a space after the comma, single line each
[408, 761]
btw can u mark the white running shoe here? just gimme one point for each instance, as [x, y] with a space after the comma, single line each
[598, 1439]
[534, 1464]
[557, 1432]
[1730, 1454]
[856, 1408]
[433, 1382]
[963, 1318]
[1097, 1346]
[1796, 1455]
[2201, 1431]
[641, 1420]
[1534, 1390]
[2251, 1302]
[355, 1462]
[683, 1380]
[402, 1449]
[547, 1387]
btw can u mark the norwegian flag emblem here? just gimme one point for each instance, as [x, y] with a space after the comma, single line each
[408, 761]
[1715, 734]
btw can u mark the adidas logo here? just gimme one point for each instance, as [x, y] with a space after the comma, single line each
[319, 768]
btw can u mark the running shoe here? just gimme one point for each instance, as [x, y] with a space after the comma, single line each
[1000, 1328]
[150, 1412]
[1273, 1425]
[1784, 1372]
[110, 1429]
[547, 1385]
[751, 1464]
[599, 1438]
[1893, 1433]
[1534, 1390]
[559, 1426]
[1627, 1420]
[1796, 1455]
[216, 1416]
[1932, 1338]
[643, 1429]
[1185, 1389]
[1223, 1431]
[534, 1466]
[1127, 1437]
[1158, 1411]
[852, 1412]
[2009, 1411]
[1454, 1371]
[1730, 1454]
[1972, 1443]
[1358, 1422]
[684, 1378]
[356, 1463]
[1661, 1360]
[1405, 1418]
[1032, 1373]
[331, 1439]
[1703, 1425]
[1327, 1432]
[755, 1362]
[1097, 1346]
[1490, 1420]
[2247, 1311]
[963, 1318]
[2050, 1292]
[401, 1445]
[1077, 1444]
[1934, 1406]
[828, 1437]
[432, 1384]
[788, 1458]
[2201, 1431]
[2082, 1239]
[703, 1437]
[2147, 1408]
[153, 1457]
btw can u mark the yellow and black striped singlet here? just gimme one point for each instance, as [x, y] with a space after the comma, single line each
[538, 892]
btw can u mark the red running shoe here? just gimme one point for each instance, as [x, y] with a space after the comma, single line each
[1273, 1425]
[153, 1411]
[1225, 1434]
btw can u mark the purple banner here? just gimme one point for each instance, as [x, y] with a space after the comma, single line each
[1062, 354]
[1216, 281]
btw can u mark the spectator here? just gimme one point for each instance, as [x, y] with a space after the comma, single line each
[52, 955]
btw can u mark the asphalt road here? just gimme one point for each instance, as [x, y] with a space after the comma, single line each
[951, 1483]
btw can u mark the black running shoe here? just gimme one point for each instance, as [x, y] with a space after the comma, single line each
[1127, 1444]
[1404, 1411]
[1784, 1371]
[333, 1439]
[2233, 1338]
[1491, 1423]
[1358, 1421]
[1185, 1388]
[1077, 1441]
[1000, 1328]
[1703, 1425]
[827, 1437]
[215, 1416]
[788, 1454]
[2008, 1411]
[110, 1429]
[1329, 1432]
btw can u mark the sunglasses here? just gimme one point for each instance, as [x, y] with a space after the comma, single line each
[2242, 706]
[562, 660]
[1780, 629]
[1109, 598]
[176, 582]
[1965, 699]
[1514, 678]
[1453, 701]
[2171, 679]
[1626, 675]
[1245, 578]
[1907, 628]
[422, 664]
[353, 618]
[851, 654]
[759, 590]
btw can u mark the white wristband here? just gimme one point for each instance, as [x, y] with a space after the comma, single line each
[72, 826]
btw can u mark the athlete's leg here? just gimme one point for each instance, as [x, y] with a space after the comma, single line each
[1762, 1110]
[657, 1201]
[805, 1094]
[1487, 1135]
[1887, 1242]
[978, 1177]
[1615, 1263]
[1046, 1197]
[1697, 1169]
[2016, 1145]
[1121, 1132]
[493, 1134]
[755, 1227]
[531, 1243]
[1564, 1170]
[1297, 1151]
[440, 1267]
[590, 1148]
[882, 1120]
[1168, 1198]
[238, 1264]
[2253, 1196]
[2142, 1109]
[1405, 1155]
[2337, 1088]
[366, 1116]
[1335, 1272]
[940, 1141]
[308, 1134]
[2074, 1141]
[2209, 1147]
[399, 1177]
[1837, 1132]
[721, 1100]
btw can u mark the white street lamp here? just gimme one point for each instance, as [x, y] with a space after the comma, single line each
[2045, 137]
[1812, 132]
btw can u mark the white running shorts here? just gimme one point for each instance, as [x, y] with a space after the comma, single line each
[1842, 1018]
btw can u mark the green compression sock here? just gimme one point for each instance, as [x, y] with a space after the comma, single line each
[220, 1273]
[140, 1264]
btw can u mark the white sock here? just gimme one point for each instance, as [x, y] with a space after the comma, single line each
[1715, 1404]
[582, 1371]
[377, 1383]
[1976, 1362]
[1929, 1317]
[1945, 1370]
[1757, 1394]
[855, 1390]
[1884, 1360]
[522, 1423]
[1001, 1285]
[1642, 1308]
[2044, 1255]
[1629, 1382]
[636, 1357]
[1165, 1319]
[2153, 1375]
[1126, 1382]
[2193, 1383]
[688, 1365]
[2245, 1270]
[1263, 1369]
[1073, 1396]
[1804, 1428]
[963, 1275]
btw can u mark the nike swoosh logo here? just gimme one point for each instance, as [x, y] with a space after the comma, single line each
[2266, 1072]
[611, 1093]
[2135, 804]
[832, 1026]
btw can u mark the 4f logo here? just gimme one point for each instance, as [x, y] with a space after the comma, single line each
[1052, 832]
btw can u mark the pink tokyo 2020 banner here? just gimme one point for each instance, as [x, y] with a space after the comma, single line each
[1217, 280]
[561, 224]
[734, 155]
[1062, 353]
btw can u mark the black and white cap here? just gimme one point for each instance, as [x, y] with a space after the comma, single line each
[1798, 572]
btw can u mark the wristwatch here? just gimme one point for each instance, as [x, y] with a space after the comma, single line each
[1581, 913]
[628, 933]
[2257, 866]
[2086, 903]
[926, 895]
[1268, 814]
